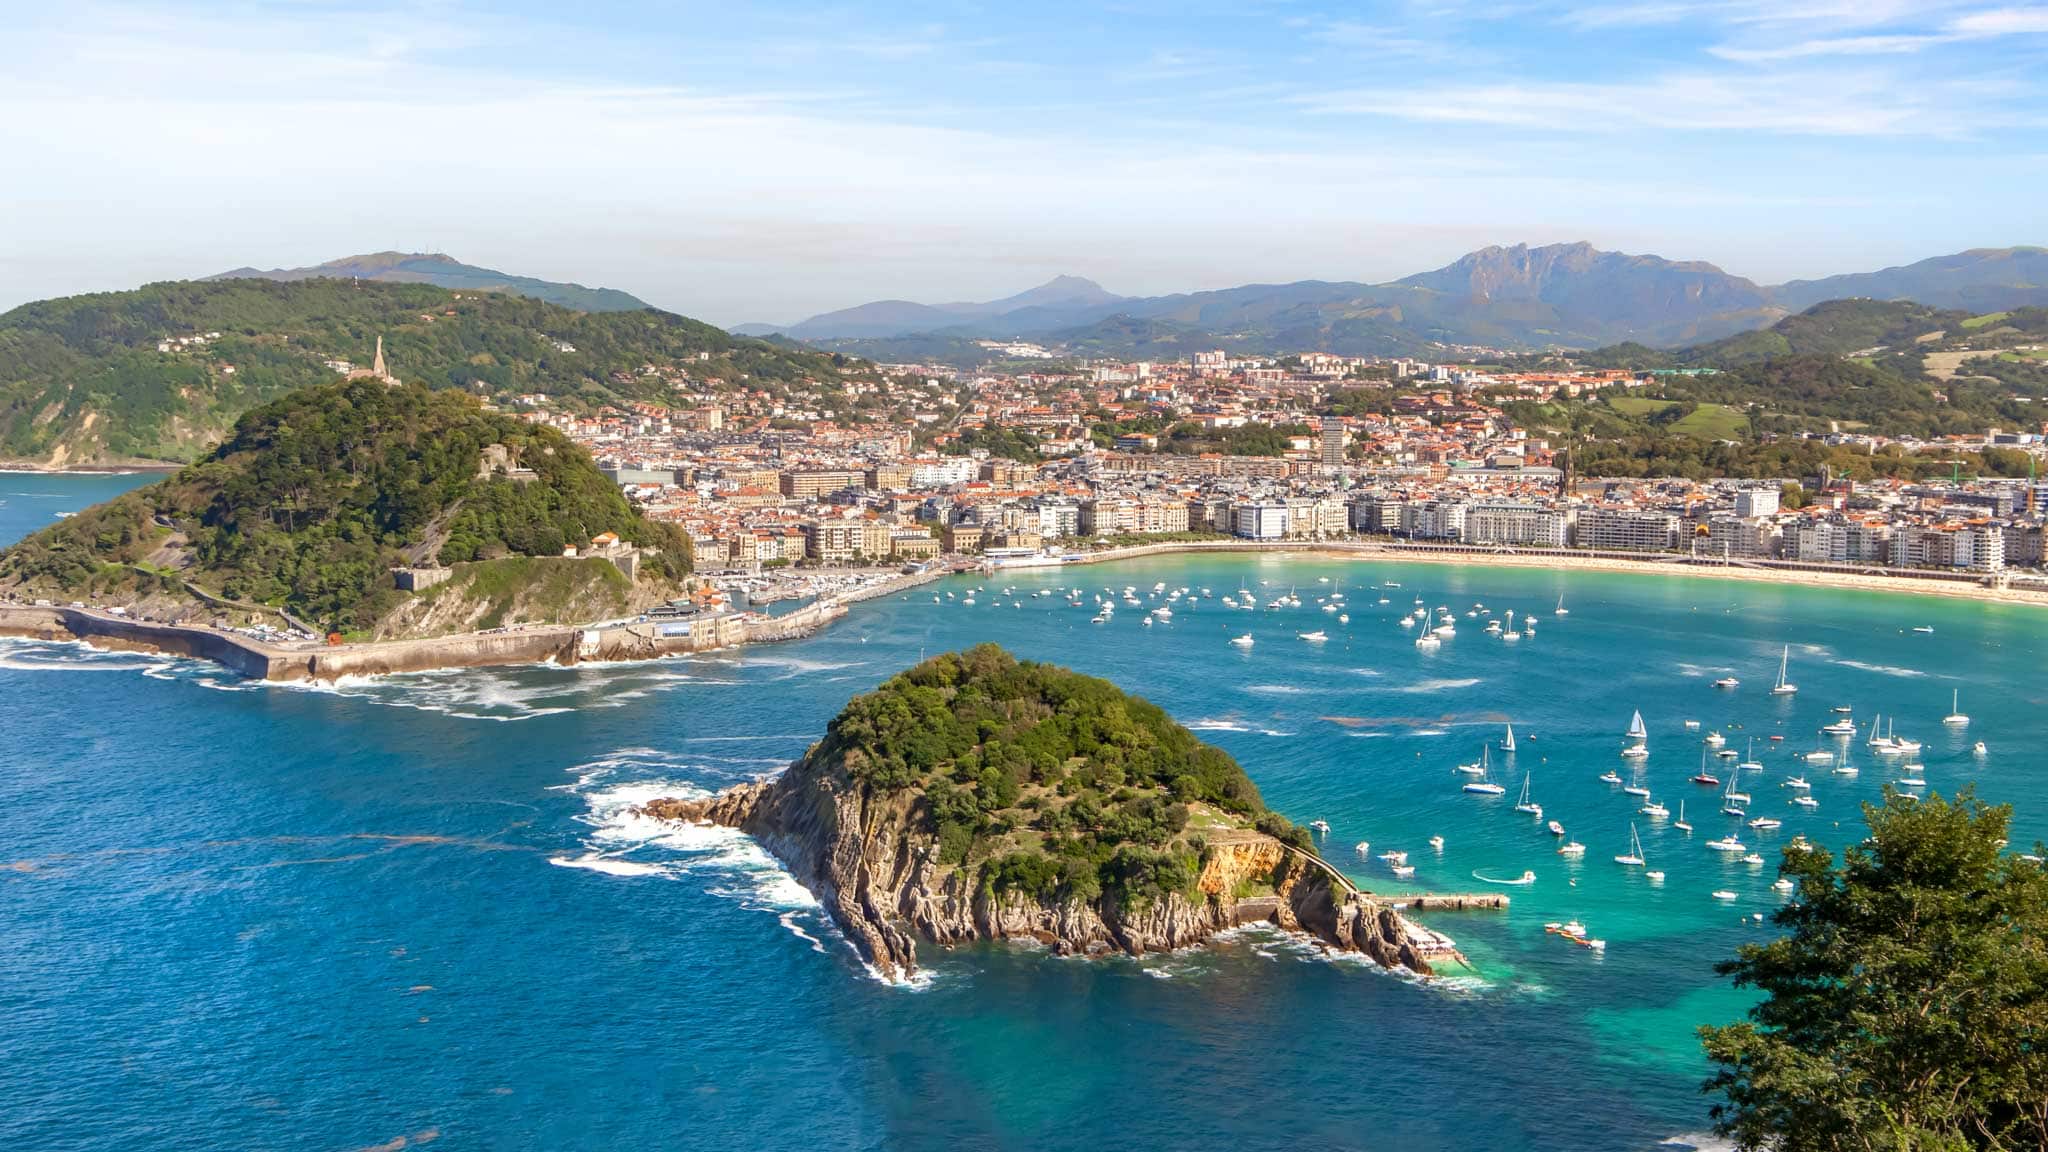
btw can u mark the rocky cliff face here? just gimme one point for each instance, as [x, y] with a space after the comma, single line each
[874, 864]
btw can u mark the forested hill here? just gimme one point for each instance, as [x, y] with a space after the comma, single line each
[1758, 404]
[86, 379]
[315, 497]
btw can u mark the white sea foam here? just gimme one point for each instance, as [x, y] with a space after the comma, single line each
[29, 655]
[1423, 686]
[797, 665]
[607, 865]
[1698, 1142]
[1881, 669]
[1217, 726]
[624, 842]
[1278, 689]
[1365, 671]
[1429, 732]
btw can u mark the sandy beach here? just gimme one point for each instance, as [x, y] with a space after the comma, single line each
[1660, 566]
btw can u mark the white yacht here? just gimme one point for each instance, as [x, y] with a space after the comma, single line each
[1483, 786]
[1525, 804]
[1561, 610]
[1680, 823]
[1728, 843]
[1784, 687]
[1244, 641]
[1316, 637]
[1633, 858]
[1955, 717]
[1750, 763]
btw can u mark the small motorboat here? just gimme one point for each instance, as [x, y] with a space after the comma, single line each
[1394, 857]
[1571, 848]
[1321, 826]
[1436, 843]
[1727, 682]
[1556, 829]
[1724, 895]
[1727, 844]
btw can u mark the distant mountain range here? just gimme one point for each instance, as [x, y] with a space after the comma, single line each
[1558, 295]
[1060, 300]
[447, 272]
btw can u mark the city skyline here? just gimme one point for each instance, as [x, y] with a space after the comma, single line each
[740, 164]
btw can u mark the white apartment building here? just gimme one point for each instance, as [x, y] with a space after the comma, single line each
[1261, 520]
[1521, 525]
[1625, 530]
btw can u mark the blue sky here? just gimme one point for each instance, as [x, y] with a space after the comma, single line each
[739, 161]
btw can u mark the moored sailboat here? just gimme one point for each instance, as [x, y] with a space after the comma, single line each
[1784, 687]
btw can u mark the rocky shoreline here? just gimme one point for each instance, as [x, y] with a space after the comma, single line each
[874, 865]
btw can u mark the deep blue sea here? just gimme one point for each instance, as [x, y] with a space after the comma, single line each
[416, 909]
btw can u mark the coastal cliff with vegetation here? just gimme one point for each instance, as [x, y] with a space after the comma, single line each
[315, 498]
[979, 797]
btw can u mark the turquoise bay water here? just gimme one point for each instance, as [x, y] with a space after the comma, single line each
[235, 915]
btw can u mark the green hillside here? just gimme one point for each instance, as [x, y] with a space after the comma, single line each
[315, 496]
[83, 379]
[1835, 328]
[1852, 366]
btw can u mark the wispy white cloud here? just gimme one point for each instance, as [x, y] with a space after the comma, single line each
[1898, 45]
[1819, 105]
[2003, 22]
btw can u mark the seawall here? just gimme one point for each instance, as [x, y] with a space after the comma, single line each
[248, 657]
[263, 660]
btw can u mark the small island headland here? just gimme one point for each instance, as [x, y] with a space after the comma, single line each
[977, 797]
